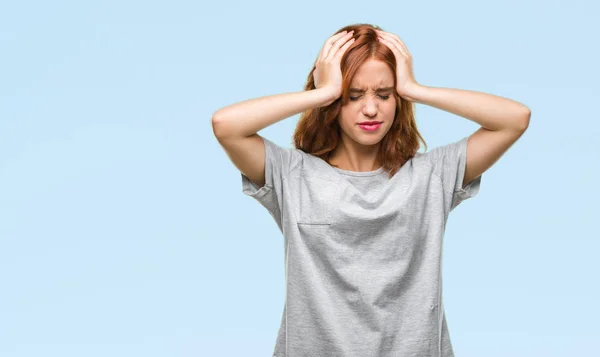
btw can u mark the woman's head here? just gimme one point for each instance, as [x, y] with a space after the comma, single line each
[368, 94]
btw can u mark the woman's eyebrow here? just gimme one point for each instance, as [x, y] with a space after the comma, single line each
[385, 89]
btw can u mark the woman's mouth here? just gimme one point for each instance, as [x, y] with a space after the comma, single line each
[370, 127]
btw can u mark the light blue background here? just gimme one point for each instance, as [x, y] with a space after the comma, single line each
[123, 227]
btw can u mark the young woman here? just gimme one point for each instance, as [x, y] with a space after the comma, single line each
[362, 212]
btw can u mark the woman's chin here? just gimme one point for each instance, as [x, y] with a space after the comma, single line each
[368, 140]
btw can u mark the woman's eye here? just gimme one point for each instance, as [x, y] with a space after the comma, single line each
[384, 97]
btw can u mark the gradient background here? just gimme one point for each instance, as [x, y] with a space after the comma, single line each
[123, 227]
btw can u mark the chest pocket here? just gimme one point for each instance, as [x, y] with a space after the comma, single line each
[318, 197]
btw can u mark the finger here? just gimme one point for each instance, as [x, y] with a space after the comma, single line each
[389, 40]
[329, 43]
[400, 56]
[394, 46]
[396, 40]
[333, 50]
[343, 49]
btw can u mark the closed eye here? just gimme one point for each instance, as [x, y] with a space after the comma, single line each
[384, 97]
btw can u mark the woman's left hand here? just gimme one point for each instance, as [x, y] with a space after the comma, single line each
[405, 81]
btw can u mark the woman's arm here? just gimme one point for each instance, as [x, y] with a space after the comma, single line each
[250, 116]
[503, 122]
[246, 118]
[490, 111]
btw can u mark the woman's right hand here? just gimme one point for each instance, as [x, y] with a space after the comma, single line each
[328, 72]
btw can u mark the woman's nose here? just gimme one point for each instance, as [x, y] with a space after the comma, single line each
[370, 106]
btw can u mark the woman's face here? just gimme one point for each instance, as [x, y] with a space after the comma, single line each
[371, 99]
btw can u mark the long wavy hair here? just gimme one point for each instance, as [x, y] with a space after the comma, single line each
[318, 130]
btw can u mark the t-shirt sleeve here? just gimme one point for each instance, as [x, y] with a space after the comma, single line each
[279, 162]
[449, 163]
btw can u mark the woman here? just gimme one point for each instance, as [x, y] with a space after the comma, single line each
[362, 212]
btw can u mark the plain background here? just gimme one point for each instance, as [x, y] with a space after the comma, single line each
[123, 227]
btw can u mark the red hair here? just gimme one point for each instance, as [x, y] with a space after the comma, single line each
[318, 131]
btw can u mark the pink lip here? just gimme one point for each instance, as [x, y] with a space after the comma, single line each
[369, 127]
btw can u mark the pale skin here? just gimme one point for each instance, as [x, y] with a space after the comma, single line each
[236, 126]
[369, 100]
[502, 120]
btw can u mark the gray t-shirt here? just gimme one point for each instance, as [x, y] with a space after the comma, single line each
[363, 252]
